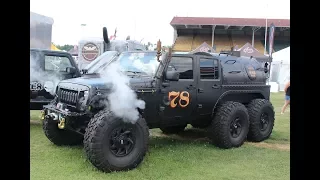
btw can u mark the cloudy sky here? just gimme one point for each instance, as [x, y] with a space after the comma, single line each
[143, 19]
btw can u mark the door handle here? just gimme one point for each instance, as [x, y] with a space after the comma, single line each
[190, 87]
[215, 86]
[234, 72]
[165, 84]
[200, 90]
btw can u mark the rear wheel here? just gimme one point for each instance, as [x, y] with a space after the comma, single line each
[261, 114]
[230, 125]
[114, 145]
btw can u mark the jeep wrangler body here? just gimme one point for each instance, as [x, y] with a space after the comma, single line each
[224, 94]
[47, 68]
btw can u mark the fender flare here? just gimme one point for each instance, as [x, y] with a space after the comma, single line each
[234, 92]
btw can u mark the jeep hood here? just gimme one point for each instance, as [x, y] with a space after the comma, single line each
[95, 81]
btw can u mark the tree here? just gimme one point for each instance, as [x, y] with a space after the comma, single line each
[66, 47]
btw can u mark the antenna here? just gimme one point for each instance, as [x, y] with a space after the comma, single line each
[158, 50]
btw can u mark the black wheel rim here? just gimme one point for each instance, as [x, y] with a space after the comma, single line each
[235, 127]
[122, 141]
[264, 121]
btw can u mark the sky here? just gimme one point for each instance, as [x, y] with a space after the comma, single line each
[143, 20]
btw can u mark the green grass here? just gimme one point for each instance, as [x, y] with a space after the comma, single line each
[171, 157]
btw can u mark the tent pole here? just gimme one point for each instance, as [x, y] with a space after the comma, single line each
[213, 28]
[253, 30]
[265, 34]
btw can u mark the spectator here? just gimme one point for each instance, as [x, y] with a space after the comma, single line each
[287, 96]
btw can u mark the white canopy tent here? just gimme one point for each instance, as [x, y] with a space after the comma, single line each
[280, 68]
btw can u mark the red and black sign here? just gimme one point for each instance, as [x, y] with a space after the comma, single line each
[90, 51]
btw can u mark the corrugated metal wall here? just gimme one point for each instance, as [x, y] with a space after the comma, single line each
[40, 31]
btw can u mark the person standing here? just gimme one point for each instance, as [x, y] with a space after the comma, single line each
[287, 97]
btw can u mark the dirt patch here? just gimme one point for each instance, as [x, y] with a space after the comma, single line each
[196, 135]
[35, 122]
[187, 135]
[283, 147]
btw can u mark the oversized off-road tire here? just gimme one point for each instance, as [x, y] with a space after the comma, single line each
[114, 145]
[261, 114]
[230, 125]
[58, 136]
[172, 129]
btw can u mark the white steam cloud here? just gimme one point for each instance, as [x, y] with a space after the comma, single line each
[149, 68]
[48, 81]
[122, 100]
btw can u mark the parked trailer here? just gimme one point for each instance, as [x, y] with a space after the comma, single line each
[40, 31]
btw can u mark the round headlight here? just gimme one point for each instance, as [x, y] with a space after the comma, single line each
[49, 87]
[86, 94]
[83, 100]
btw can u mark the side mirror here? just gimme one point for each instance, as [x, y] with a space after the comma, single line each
[71, 70]
[172, 75]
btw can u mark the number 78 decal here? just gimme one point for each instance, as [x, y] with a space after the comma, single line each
[184, 98]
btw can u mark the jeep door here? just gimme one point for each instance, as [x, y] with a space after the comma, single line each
[179, 97]
[209, 84]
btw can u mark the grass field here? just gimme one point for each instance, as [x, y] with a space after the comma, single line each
[183, 157]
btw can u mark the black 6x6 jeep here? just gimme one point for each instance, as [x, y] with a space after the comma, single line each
[227, 95]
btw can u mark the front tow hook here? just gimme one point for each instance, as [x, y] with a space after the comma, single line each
[61, 124]
[52, 116]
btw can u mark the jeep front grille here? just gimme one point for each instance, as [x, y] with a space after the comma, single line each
[68, 96]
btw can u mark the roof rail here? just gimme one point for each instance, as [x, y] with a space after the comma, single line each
[202, 53]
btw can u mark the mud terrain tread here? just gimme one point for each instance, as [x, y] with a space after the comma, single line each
[254, 110]
[216, 130]
[58, 136]
[90, 142]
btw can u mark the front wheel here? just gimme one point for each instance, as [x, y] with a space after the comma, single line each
[114, 145]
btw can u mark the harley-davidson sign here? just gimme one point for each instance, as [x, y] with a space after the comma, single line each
[90, 51]
[251, 72]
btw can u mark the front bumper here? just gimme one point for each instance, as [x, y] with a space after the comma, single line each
[65, 119]
[53, 109]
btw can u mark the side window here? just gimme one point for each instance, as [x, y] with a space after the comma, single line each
[183, 65]
[209, 69]
[56, 63]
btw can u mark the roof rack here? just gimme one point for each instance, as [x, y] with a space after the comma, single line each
[231, 53]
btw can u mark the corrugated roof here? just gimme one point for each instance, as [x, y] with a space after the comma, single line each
[228, 21]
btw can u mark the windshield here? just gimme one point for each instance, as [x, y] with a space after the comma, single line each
[101, 61]
[138, 62]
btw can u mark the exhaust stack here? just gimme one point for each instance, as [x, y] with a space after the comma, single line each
[105, 35]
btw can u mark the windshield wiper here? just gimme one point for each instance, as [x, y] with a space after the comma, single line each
[134, 72]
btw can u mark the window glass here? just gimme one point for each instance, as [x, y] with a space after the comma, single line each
[209, 69]
[183, 65]
[56, 63]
